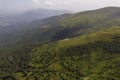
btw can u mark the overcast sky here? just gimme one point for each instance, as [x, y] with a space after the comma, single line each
[73, 5]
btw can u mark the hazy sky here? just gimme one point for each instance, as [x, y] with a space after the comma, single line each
[73, 5]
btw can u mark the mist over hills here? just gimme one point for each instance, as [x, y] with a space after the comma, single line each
[79, 46]
[28, 16]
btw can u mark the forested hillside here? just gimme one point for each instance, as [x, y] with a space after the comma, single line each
[80, 46]
[94, 56]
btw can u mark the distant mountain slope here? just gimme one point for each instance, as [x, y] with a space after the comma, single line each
[63, 26]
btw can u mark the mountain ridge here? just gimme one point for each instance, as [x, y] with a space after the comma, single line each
[80, 46]
[69, 24]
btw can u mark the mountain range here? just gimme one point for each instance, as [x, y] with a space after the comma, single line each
[79, 46]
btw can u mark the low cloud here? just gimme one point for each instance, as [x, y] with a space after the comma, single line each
[36, 2]
[65, 3]
[49, 3]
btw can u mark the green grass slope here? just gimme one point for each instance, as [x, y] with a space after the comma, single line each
[71, 25]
